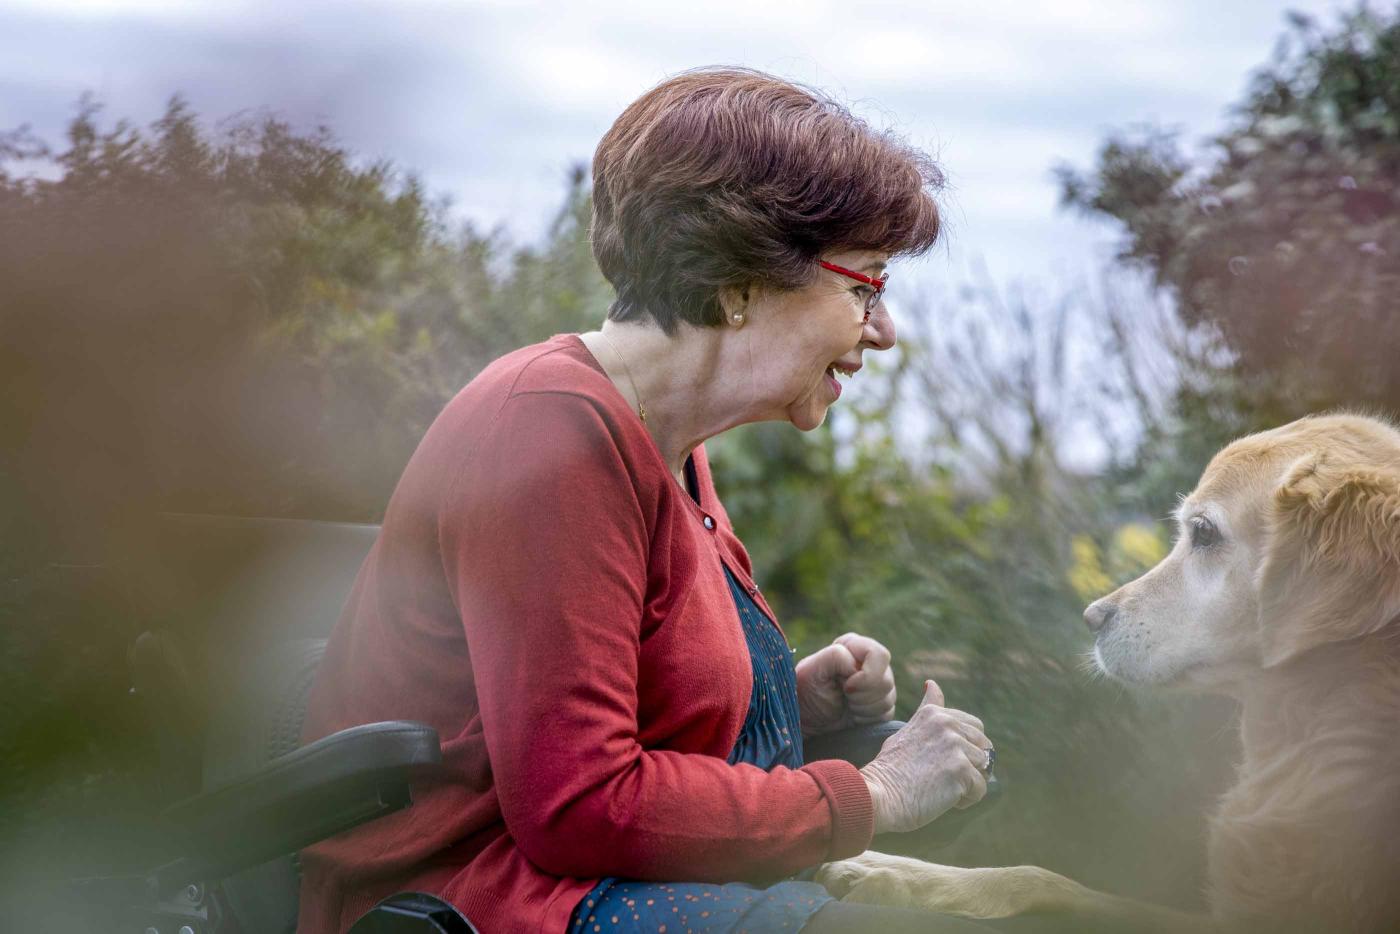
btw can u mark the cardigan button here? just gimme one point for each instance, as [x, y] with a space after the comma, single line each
[710, 523]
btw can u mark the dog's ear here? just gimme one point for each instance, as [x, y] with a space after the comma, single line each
[1331, 570]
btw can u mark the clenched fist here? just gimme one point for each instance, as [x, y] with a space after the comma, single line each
[847, 683]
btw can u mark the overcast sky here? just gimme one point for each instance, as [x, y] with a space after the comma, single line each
[490, 102]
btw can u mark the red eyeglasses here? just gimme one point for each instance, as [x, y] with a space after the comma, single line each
[877, 285]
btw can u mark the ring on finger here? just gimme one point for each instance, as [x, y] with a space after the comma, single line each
[991, 760]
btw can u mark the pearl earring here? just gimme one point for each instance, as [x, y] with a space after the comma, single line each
[737, 318]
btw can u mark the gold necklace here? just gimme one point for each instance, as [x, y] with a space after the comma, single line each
[641, 408]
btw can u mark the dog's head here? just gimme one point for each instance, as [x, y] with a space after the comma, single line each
[1290, 541]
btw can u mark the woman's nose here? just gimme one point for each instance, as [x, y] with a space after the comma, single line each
[879, 330]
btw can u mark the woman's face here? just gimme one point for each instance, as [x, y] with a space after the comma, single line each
[803, 342]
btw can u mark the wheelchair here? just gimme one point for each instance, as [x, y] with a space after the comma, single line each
[240, 615]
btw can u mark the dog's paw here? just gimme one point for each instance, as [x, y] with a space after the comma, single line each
[838, 877]
[872, 878]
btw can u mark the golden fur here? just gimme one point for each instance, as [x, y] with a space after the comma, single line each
[1295, 611]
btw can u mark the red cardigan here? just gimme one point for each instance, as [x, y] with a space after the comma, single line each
[547, 597]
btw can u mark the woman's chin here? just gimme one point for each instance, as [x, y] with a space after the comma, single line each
[808, 417]
[809, 412]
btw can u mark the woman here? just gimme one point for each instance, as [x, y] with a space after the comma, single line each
[556, 584]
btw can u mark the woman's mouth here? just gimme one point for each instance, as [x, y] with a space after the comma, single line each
[832, 372]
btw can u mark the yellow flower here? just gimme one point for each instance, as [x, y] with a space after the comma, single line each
[1140, 545]
[1087, 575]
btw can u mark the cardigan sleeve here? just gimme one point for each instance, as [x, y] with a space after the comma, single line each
[545, 546]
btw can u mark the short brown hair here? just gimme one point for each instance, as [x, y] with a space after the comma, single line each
[731, 177]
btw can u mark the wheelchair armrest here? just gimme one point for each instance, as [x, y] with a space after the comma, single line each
[317, 791]
[858, 745]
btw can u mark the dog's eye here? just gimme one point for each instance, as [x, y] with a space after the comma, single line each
[1203, 532]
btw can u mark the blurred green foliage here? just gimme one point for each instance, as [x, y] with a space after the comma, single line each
[249, 320]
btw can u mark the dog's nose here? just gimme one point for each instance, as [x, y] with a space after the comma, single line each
[1099, 614]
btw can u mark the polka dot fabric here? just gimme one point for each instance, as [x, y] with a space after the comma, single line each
[682, 907]
[771, 736]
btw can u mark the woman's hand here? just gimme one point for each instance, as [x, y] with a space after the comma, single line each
[846, 683]
[934, 763]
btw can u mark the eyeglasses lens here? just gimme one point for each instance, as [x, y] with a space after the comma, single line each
[875, 297]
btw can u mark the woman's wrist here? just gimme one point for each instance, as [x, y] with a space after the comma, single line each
[877, 796]
[817, 715]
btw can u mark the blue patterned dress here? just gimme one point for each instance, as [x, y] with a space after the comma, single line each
[771, 736]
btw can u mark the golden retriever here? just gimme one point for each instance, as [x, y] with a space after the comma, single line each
[1282, 590]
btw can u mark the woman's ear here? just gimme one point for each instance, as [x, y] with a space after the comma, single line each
[734, 304]
[1331, 570]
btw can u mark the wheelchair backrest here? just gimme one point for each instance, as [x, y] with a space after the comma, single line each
[241, 610]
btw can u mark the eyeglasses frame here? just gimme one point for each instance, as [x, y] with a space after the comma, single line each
[877, 284]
